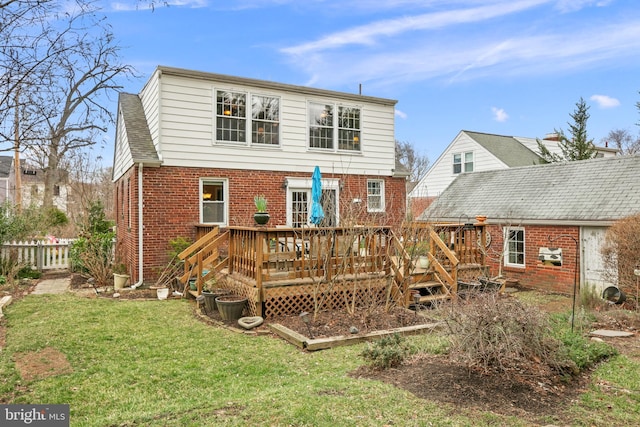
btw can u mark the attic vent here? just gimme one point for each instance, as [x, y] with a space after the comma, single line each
[28, 172]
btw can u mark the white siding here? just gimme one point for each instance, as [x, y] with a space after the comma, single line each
[122, 160]
[440, 175]
[150, 103]
[185, 131]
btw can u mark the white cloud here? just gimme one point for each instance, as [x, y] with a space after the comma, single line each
[150, 4]
[499, 115]
[368, 34]
[605, 101]
[575, 5]
[401, 114]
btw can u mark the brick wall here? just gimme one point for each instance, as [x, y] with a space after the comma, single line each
[171, 206]
[536, 274]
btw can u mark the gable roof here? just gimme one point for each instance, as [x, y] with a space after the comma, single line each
[6, 162]
[137, 129]
[507, 149]
[598, 191]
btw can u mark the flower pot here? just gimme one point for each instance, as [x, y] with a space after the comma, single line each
[120, 280]
[423, 261]
[163, 293]
[210, 299]
[230, 306]
[261, 218]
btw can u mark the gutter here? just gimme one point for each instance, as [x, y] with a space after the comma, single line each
[140, 232]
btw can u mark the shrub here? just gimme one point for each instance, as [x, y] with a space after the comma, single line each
[388, 352]
[501, 334]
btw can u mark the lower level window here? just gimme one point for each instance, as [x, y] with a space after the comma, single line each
[213, 196]
[515, 247]
[375, 195]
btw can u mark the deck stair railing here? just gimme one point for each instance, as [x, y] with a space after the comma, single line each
[202, 259]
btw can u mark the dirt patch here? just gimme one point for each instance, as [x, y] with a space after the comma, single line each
[37, 365]
[438, 379]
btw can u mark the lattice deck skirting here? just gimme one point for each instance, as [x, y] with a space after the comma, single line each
[292, 298]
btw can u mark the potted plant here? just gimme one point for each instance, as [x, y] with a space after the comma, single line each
[419, 251]
[120, 275]
[261, 217]
[231, 306]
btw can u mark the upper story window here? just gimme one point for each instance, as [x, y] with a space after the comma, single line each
[233, 121]
[231, 116]
[213, 201]
[375, 195]
[463, 160]
[265, 119]
[349, 128]
[515, 246]
[324, 129]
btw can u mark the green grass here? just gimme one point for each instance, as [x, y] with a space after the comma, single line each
[154, 363]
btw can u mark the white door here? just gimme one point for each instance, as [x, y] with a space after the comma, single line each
[593, 271]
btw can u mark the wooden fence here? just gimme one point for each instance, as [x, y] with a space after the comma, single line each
[40, 254]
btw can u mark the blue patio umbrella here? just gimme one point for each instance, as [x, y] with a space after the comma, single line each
[317, 214]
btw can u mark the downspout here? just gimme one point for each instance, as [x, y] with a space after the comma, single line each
[140, 231]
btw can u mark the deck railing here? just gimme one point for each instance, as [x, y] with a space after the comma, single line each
[273, 254]
[283, 256]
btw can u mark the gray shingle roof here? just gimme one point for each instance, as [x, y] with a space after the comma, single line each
[5, 166]
[506, 148]
[589, 191]
[137, 129]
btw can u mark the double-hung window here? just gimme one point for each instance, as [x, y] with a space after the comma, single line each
[329, 123]
[349, 128]
[234, 120]
[265, 119]
[231, 116]
[214, 201]
[375, 195]
[514, 246]
[463, 161]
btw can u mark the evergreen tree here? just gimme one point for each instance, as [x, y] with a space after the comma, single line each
[575, 146]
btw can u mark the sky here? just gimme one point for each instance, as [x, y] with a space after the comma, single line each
[507, 67]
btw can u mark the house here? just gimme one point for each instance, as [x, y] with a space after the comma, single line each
[553, 217]
[32, 187]
[7, 179]
[476, 152]
[193, 148]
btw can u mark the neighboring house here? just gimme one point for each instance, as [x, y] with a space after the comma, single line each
[32, 187]
[477, 152]
[7, 179]
[193, 149]
[541, 208]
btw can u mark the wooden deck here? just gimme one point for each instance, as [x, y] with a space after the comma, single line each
[286, 271]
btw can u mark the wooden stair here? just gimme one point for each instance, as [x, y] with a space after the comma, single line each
[430, 291]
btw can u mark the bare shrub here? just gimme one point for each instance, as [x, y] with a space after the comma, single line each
[621, 254]
[501, 334]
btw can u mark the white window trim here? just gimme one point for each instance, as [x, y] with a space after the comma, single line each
[382, 196]
[304, 184]
[505, 240]
[225, 183]
[336, 127]
[248, 119]
[463, 155]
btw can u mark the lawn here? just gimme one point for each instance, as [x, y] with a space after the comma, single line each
[154, 363]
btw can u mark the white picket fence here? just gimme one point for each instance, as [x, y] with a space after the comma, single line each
[40, 254]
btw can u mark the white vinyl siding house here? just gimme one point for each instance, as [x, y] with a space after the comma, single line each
[195, 148]
[183, 126]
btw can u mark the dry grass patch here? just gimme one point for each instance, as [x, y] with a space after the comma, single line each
[37, 365]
